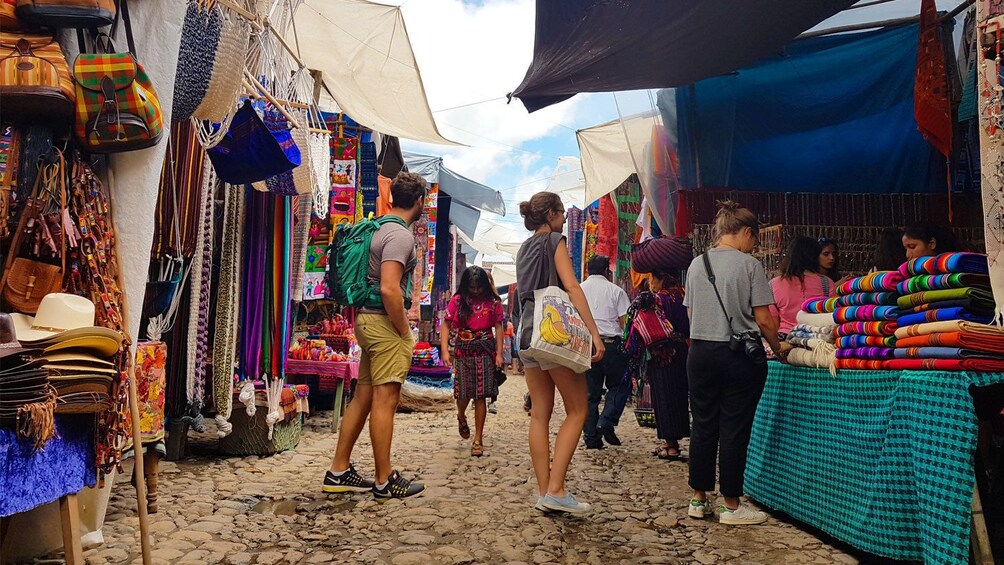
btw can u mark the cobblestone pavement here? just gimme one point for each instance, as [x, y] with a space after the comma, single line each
[270, 510]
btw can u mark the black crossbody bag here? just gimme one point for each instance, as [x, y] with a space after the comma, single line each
[747, 343]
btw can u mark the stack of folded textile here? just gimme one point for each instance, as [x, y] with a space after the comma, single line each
[425, 355]
[866, 311]
[812, 338]
[945, 307]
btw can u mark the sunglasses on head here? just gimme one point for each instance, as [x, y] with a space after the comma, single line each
[826, 241]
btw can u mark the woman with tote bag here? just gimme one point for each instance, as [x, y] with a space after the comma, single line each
[558, 340]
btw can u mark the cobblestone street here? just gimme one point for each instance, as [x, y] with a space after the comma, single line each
[271, 510]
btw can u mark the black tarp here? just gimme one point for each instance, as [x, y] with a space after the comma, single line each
[614, 45]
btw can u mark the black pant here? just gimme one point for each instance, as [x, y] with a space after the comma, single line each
[725, 388]
[608, 372]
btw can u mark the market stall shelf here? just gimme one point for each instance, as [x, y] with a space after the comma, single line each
[882, 460]
[334, 376]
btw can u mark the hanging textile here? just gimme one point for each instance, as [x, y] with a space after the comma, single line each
[606, 232]
[183, 166]
[431, 214]
[344, 178]
[201, 285]
[383, 204]
[628, 210]
[301, 237]
[151, 381]
[576, 232]
[368, 185]
[590, 235]
[932, 105]
[228, 300]
[421, 230]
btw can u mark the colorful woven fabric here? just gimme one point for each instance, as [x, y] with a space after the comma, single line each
[939, 282]
[576, 235]
[944, 315]
[978, 298]
[966, 340]
[855, 341]
[865, 314]
[820, 306]
[980, 365]
[881, 281]
[950, 326]
[914, 432]
[945, 353]
[866, 353]
[964, 303]
[866, 328]
[628, 209]
[975, 263]
[861, 364]
[181, 188]
[134, 99]
[151, 382]
[591, 235]
[866, 298]
[606, 232]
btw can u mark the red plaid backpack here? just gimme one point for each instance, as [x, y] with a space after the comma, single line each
[117, 106]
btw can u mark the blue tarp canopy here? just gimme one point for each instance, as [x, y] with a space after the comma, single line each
[832, 114]
[468, 196]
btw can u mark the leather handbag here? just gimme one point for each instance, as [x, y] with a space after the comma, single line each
[26, 281]
[117, 106]
[249, 152]
[67, 13]
[35, 81]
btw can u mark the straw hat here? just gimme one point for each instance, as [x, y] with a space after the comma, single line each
[62, 320]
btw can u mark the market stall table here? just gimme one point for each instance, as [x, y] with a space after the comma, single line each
[333, 376]
[57, 472]
[882, 460]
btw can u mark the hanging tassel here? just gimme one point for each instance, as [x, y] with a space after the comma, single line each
[273, 391]
[37, 421]
[247, 398]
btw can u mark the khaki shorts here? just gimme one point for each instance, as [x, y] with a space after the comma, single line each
[386, 356]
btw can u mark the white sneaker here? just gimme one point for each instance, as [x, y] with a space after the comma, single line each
[697, 509]
[566, 504]
[742, 516]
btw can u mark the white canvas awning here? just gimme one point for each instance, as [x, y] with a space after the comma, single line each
[364, 54]
[504, 275]
[613, 151]
[568, 182]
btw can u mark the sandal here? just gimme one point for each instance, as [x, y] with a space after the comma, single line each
[665, 455]
[477, 449]
[465, 431]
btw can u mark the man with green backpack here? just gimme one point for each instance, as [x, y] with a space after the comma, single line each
[370, 268]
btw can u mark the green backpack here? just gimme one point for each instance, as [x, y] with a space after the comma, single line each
[349, 264]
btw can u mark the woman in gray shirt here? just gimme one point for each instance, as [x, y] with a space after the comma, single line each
[725, 385]
[543, 258]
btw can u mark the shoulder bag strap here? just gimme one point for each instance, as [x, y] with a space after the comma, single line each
[711, 277]
[824, 282]
[552, 266]
[29, 212]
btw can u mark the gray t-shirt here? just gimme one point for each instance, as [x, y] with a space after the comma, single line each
[534, 266]
[741, 282]
[392, 242]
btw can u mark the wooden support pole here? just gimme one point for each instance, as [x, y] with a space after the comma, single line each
[69, 517]
[250, 81]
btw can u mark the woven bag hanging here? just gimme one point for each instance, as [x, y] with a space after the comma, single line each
[200, 38]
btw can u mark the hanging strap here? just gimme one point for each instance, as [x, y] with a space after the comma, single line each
[711, 277]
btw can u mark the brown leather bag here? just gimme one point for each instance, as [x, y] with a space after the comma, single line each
[26, 281]
[87, 14]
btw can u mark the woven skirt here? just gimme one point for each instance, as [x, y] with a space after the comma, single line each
[474, 369]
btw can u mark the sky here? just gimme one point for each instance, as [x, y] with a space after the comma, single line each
[471, 53]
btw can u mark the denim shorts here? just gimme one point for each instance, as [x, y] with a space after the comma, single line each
[530, 363]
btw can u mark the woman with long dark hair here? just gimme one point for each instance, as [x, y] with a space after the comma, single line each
[728, 298]
[924, 239]
[474, 321]
[543, 258]
[889, 254]
[666, 369]
[799, 281]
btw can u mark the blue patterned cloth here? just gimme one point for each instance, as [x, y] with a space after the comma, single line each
[64, 466]
[882, 460]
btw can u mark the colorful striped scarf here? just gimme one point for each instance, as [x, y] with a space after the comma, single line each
[979, 298]
[820, 305]
[941, 352]
[865, 314]
[879, 281]
[939, 282]
[975, 263]
[862, 364]
[950, 326]
[855, 341]
[986, 365]
[866, 353]
[944, 315]
[967, 340]
[866, 328]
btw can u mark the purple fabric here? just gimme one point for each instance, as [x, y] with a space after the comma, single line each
[866, 353]
[65, 466]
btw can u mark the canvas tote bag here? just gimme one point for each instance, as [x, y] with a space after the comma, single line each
[558, 333]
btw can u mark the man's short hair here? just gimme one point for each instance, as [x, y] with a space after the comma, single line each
[406, 189]
[598, 265]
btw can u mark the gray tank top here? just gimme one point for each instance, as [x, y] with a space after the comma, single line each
[535, 264]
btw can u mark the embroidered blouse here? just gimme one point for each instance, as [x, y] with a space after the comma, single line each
[485, 313]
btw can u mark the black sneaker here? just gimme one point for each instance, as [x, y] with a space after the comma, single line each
[398, 487]
[598, 444]
[350, 481]
[609, 436]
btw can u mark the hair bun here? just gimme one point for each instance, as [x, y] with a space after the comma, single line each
[728, 206]
[524, 208]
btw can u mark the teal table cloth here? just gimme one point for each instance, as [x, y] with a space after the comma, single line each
[882, 460]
